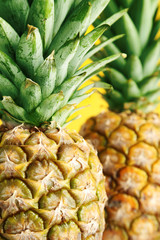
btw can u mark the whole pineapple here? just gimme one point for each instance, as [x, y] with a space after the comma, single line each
[127, 136]
[51, 181]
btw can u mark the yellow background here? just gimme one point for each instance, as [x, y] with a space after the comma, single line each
[94, 104]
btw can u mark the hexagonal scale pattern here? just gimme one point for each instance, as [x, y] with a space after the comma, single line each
[51, 186]
[128, 145]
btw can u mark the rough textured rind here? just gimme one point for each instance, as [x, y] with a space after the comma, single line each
[128, 146]
[49, 186]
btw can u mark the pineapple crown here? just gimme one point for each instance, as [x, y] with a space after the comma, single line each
[134, 78]
[42, 45]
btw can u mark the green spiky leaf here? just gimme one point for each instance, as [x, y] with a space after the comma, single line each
[40, 73]
[11, 70]
[137, 75]
[30, 95]
[8, 38]
[7, 88]
[29, 53]
[41, 15]
[45, 76]
[15, 12]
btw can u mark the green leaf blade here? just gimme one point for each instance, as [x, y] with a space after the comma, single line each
[11, 107]
[85, 44]
[7, 88]
[29, 53]
[150, 58]
[45, 76]
[53, 103]
[142, 19]
[63, 57]
[134, 68]
[30, 95]
[41, 15]
[62, 114]
[15, 12]
[8, 38]
[11, 70]
[73, 26]
[92, 67]
[62, 7]
[69, 87]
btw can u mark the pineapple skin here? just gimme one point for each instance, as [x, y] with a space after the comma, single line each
[51, 185]
[128, 145]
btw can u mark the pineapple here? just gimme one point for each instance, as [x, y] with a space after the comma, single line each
[127, 136]
[51, 181]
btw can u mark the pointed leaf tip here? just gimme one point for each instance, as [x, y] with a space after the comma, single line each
[30, 29]
[124, 55]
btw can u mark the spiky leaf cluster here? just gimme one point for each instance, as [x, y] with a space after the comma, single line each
[42, 45]
[135, 78]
